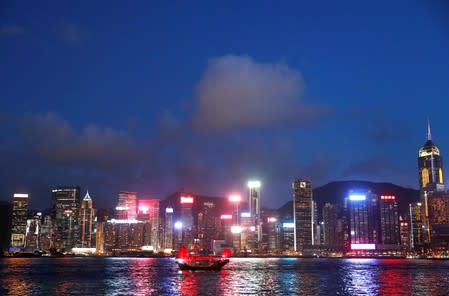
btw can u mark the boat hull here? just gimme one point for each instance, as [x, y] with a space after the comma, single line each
[211, 265]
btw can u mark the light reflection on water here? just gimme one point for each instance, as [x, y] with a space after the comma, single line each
[160, 276]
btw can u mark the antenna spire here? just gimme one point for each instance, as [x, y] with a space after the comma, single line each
[429, 132]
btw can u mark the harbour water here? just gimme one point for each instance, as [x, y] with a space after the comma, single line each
[242, 276]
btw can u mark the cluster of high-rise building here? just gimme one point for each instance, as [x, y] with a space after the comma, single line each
[363, 223]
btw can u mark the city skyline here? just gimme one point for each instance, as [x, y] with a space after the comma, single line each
[154, 110]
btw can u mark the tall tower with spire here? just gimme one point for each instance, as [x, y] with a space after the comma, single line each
[87, 216]
[430, 166]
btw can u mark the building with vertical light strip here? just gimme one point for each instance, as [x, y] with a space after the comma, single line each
[416, 225]
[19, 220]
[254, 206]
[302, 214]
[186, 200]
[168, 229]
[87, 217]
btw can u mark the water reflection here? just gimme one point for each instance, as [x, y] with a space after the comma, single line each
[361, 276]
[395, 278]
[16, 282]
[160, 276]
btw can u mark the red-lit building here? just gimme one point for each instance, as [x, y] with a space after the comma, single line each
[148, 213]
[127, 205]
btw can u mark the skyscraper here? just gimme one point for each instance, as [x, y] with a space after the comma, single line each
[148, 211]
[87, 216]
[331, 235]
[430, 166]
[389, 220]
[127, 205]
[186, 201]
[438, 205]
[363, 221]
[168, 228]
[19, 219]
[254, 206]
[207, 225]
[65, 212]
[416, 225]
[33, 231]
[302, 213]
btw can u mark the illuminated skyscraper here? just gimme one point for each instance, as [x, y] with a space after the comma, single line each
[207, 225]
[254, 206]
[271, 236]
[66, 208]
[302, 209]
[389, 220]
[19, 219]
[288, 237]
[148, 211]
[45, 231]
[87, 216]
[168, 228]
[430, 166]
[405, 234]
[127, 205]
[416, 225]
[186, 201]
[99, 240]
[438, 204]
[363, 220]
[33, 231]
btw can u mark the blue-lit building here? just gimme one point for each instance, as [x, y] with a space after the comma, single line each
[363, 211]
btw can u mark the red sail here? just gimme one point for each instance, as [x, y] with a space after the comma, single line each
[226, 253]
[183, 253]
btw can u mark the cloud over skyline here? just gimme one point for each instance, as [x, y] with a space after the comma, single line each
[238, 92]
[54, 140]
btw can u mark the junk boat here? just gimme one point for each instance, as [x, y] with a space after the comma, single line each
[186, 261]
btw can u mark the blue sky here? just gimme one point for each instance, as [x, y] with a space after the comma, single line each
[157, 96]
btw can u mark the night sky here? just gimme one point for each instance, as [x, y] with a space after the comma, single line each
[153, 96]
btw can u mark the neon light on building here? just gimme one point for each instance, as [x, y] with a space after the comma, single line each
[143, 209]
[226, 217]
[236, 229]
[288, 225]
[355, 197]
[24, 195]
[169, 210]
[254, 184]
[272, 219]
[186, 199]
[178, 225]
[388, 197]
[363, 246]
[245, 215]
[235, 198]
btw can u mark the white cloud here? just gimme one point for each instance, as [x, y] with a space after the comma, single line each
[236, 91]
